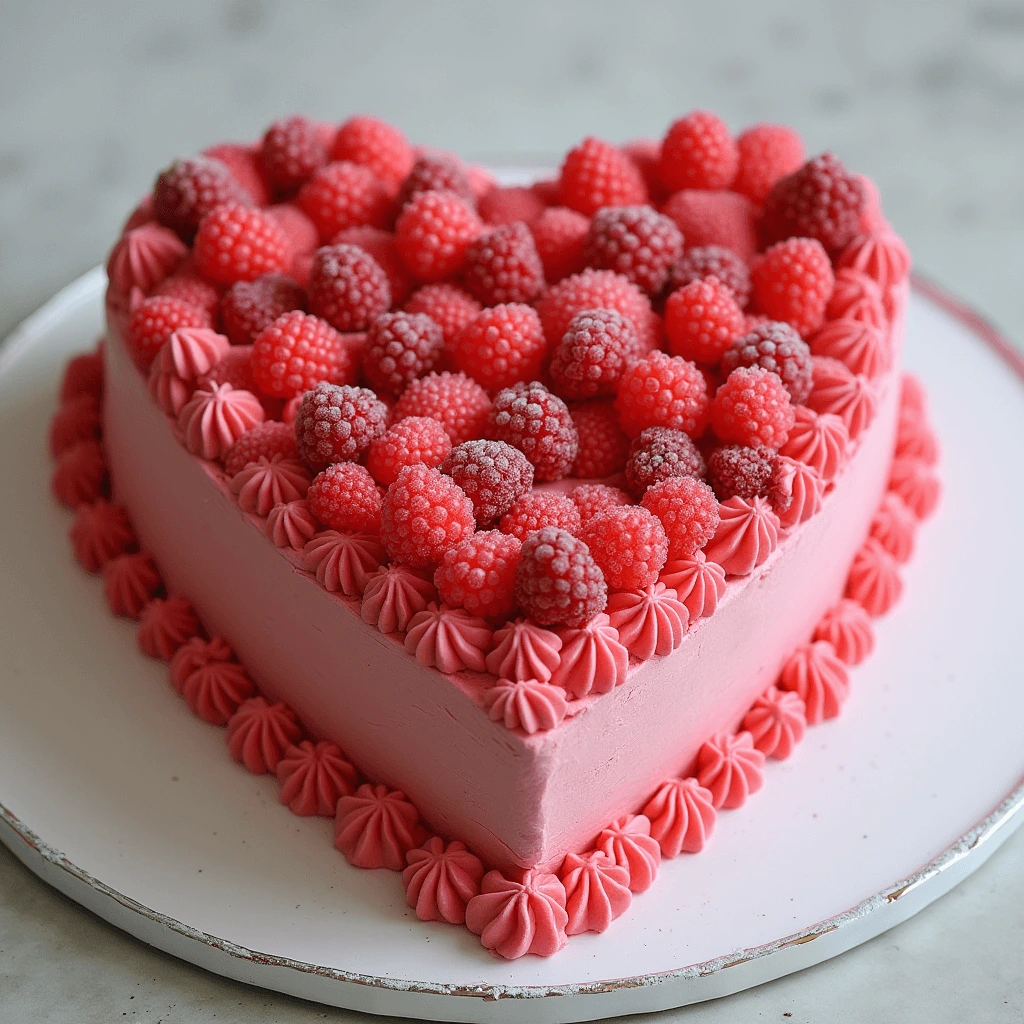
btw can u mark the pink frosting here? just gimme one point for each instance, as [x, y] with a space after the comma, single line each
[215, 417]
[259, 733]
[192, 351]
[871, 216]
[802, 488]
[80, 476]
[596, 891]
[847, 627]
[592, 658]
[291, 525]
[777, 722]
[731, 767]
[915, 439]
[650, 621]
[448, 639]
[819, 440]
[526, 704]
[77, 419]
[894, 527]
[881, 255]
[269, 482]
[314, 777]
[913, 397]
[168, 390]
[440, 880]
[376, 827]
[862, 347]
[524, 650]
[343, 561]
[916, 484]
[394, 594]
[130, 582]
[682, 816]
[874, 581]
[747, 534]
[143, 257]
[212, 682]
[514, 918]
[856, 297]
[844, 394]
[100, 531]
[628, 842]
[819, 677]
[698, 583]
[164, 625]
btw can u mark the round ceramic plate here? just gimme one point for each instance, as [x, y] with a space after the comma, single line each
[114, 793]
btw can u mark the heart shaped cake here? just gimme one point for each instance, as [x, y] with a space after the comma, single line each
[516, 528]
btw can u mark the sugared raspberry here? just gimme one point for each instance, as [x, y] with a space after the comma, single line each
[646, 154]
[629, 544]
[399, 348]
[380, 245]
[248, 306]
[500, 346]
[793, 281]
[702, 320]
[688, 511]
[234, 243]
[300, 230]
[292, 150]
[557, 580]
[751, 408]
[344, 497]
[767, 153]
[590, 499]
[433, 232]
[595, 174]
[244, 164]
[508, 205]
[663, 391]
[189, 189]
[191, 290]
[453, 399]
[347, 287]
[344, 195]
[480, 574]
[154, 320]
[777, 347]
[821, 200]
[265, 440]
[558, 234]
[416, 441]
[698, 152]
[539, 509]
[375, 144]
[603, 446]
[592, 289]
[660, 453]
[741, 471]
[704, 261]
[424, 514]
[714, 218]
[503, 266]
[337, 423]
[493, 474]
[447, 305]
[635, 241]
[436, 173]
[592, 355]
[296, 352]
[530, 418]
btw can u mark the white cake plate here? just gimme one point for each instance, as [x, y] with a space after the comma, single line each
[113, 792]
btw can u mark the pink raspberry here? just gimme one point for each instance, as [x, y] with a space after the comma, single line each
[559, 234]
[424, 514]
[603, 446]
[597, 174]
[590, 499]
[436, 173]
[508, 205]
[234, 243]
[344, 195]
[399, 348]
[377, 145]
[530, 418]
[154, 320]
[433, 232]
[296, 352]
[500, 346]
[793, 281]
[646, 155]
[702, 320]
[503, 266]
[557, 580]
[592, 289]
[344, 497]
[767, 153]
[380, 245]
[698, 152]
[705, 261]
[635, 241]
[592, 355]
[292, 150]
[660, 453]
[455, 400]
[416, 441]
[752, 408]
[539, 509]
[663, 391]
[190, 189]
[741, 471]
[493, 474]
[715, 218]
[687, 509]
[265, 440]
[248, 306]
[629, 544]
[244, 164]
[337, 423]
[775, 346]
[480, 574]
[447, 305]
[347, 287]
[191, 290]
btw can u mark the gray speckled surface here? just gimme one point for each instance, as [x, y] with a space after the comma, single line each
[927, 98]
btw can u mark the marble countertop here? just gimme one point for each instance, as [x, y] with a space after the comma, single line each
[925, 97]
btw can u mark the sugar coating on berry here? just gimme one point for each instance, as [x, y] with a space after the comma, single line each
[793, 281]
[503, 266]
[635, 241]
[698, 151]
[752, 408]
[500, 346]
[448, 305]
[663, 391]
[741, 471]
[189, 189]
[265, 440]
[433, 232]
[629, 544]
[557, 580]
[347, 287]
[492, 473]
[702, 320]
[559, 234]
[715, 218]
[532, 419]
[296, 352]
[590, 499]
[703, 261]
[235, 243]
[777, 347]
[592, 289]
[539, 509]
[191, 290]
[152, 323]
[377, 145]
[292, 149]
[660, 453]
[380, 244]
[436, 172]
[248, 306]
[480, 574]
[603, 446]
[456, 401]
[416, 441]
[596, 173]
[593, 354]
[344, 195]
[423, 515]
[767, 152]
[399, 348]
[337, 423]
[687, 509]
[344, 497]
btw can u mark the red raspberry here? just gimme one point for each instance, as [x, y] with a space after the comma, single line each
[793, 281]
[635, 241]
[493, 474]
[702, 320]
[705, 261]
[660, 453]
[433, 232]
[752, 407]
[592, 355]
[646, 155]
[500, 346]
[416, 441]
[344, 497]
[539, 509]
[399, 348]
[296, 352]
[234, 368]
[265, 440]
[592, 289]
[767, 153]
[154, 320]
[663, 391]
[503, 266]
[347, 287]
[337, 423]
[344, 195]
[590, 499]
[741, 471]
[380, 245]
[190, 189]
[557, 580]
[698, 152]
[688, 511]
[480, 575]
[244, 164]
[424, 514]
[603, 446]
[508, 205]
[777, 347]
[191, 290]
[597, 174]
[248, 306]
[455, 400]
[445, 304]
[629, 544]
[301, 231]
[558, 234]
[437, 173]
[530, 418]
[822, 200]
[375, 144]
[715, 218]
[234, 243]
[292, 150]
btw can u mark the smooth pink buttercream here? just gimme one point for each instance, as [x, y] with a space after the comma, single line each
[592, 658]
[394, 594]
[524, 650]
[164, 625]
[99, 532]
[291, 525]
[375, 827]
[862, 347]
[776, 721]
[820, 440]
[269, 482]
[628, 842]
[215, 417]
[882, 255]
[650, 622]
[526, 704]
[596, 891]
[682, 816]
[130, 582]
[747, 534]
[731, 767]
[516, 917]
[143, 257]
[207, 675]
[440, 880]
[820, 678]
[855, 296]
[343, 561]
[847, 395]
[847, 627]
[802, 487]
[874, 581]
[448, 639]
[314, 777]
[916, 483]
[260, 732]
[894, 527]
[698, 583]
